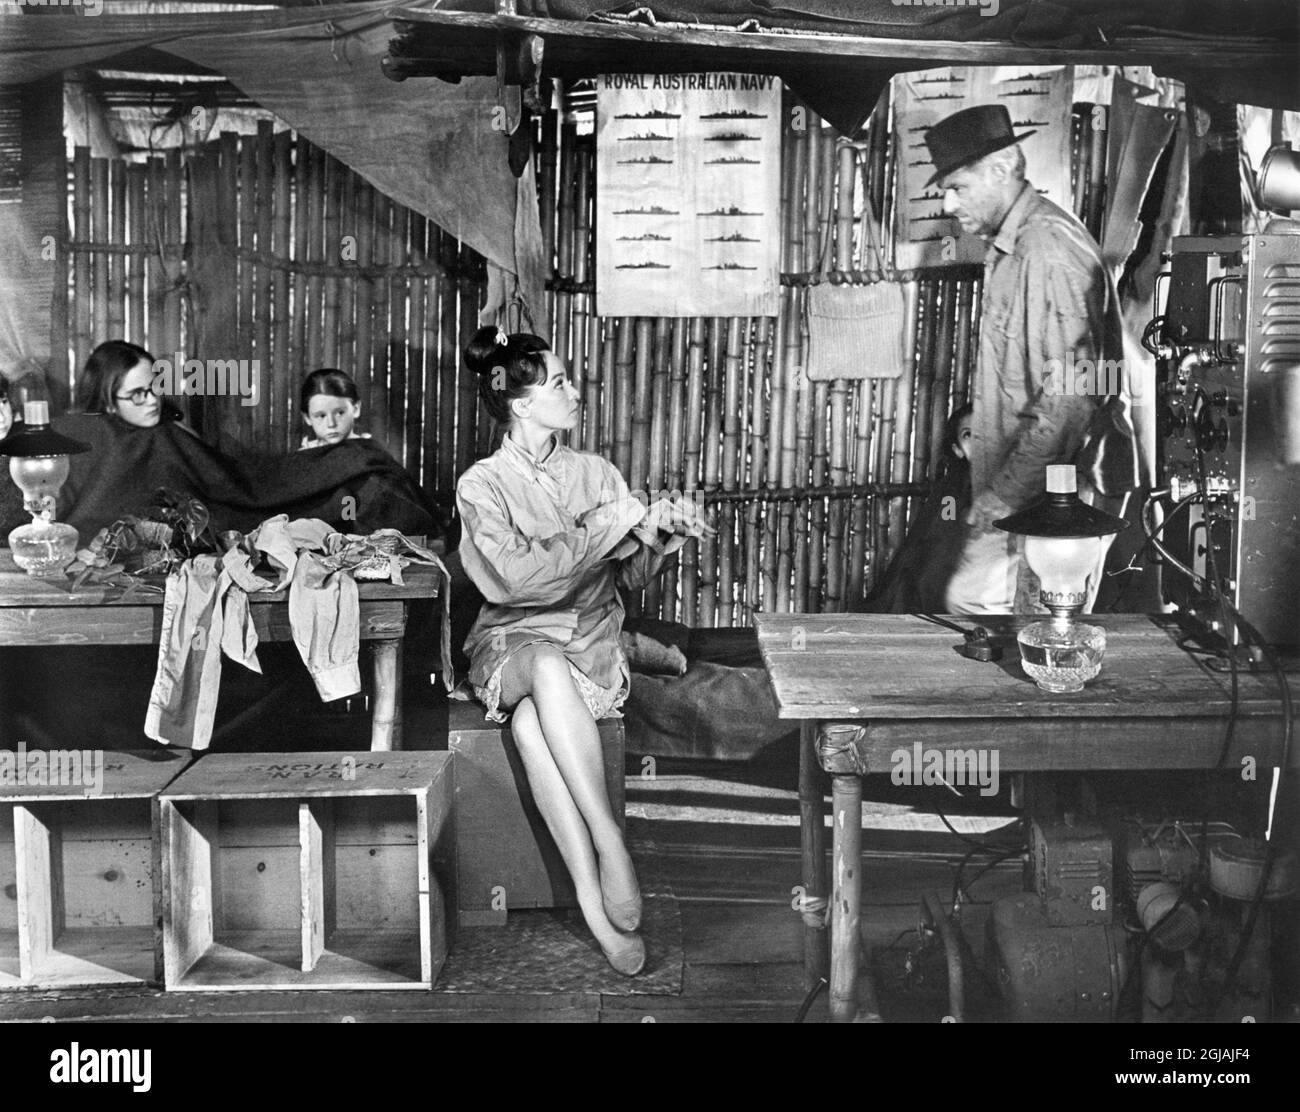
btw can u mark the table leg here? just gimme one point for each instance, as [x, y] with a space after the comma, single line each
[812, 842]
[846, 894]
[386, 728]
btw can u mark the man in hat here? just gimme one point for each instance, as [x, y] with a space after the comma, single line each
[1049, 307]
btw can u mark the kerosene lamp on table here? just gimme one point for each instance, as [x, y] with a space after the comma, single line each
[1063, 548]
[38, 463]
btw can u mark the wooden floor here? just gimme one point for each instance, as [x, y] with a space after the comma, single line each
[726, 840]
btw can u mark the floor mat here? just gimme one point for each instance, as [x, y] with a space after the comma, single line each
[552, 951]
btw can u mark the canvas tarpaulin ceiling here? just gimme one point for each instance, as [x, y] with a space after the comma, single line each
[427, 144]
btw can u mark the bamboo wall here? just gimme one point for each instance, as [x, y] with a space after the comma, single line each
[808, 483]
[266, 248]
[293, 260]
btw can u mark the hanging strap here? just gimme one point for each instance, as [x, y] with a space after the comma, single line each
[869, 216]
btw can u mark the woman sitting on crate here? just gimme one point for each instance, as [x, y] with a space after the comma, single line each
[549, 535]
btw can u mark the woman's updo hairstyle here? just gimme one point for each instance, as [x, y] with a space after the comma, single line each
[505, 370]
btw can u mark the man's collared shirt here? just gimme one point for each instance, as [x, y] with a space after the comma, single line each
[1049, 313]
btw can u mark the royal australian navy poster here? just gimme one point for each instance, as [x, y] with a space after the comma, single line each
[688, 195]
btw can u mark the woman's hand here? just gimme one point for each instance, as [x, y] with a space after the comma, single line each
[683, 518]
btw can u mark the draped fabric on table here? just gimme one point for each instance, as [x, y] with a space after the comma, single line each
[354, 486]
[427, 144]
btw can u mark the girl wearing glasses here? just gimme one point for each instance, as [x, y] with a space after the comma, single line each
[118, 379]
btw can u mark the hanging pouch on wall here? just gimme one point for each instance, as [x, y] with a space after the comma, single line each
[854, 331]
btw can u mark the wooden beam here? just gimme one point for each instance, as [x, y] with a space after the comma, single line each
[440, 43]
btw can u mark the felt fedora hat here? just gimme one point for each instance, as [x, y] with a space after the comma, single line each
[967, 136]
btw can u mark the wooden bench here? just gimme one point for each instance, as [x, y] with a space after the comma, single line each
[505, 857]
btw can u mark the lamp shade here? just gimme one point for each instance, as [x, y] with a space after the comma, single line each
[1059, 513]
[34, 437]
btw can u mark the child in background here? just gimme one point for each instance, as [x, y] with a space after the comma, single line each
[330, 408]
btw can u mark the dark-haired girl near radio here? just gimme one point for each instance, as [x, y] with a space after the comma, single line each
[549, 535]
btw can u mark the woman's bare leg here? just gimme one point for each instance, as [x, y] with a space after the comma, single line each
[563, 820]
[574, 740]
[542, 672]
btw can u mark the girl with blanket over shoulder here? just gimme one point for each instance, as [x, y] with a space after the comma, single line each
[549, 535]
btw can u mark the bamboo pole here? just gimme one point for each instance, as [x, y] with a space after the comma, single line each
[263, 207]
[871, 399]
[471, 410]
[734, 369]
[689, 573]
[83, 327]
[757, 455]
[624, 384]
[347, 249]
[117, 263]
[363, 299]
[281, 371]
[376, 389]
[60, 309]
[173, 237]
[638, 465]
[943, 357]
[902, 456]
[155, 273]
[547, 182]
[417, 355]
[329, 251]
[607, 389]
[137, 233]
[101, 234]
[663, 345]
[310, 198]
[962, 344]
[449, 371]
[930, 313]
[596, 402]
[398, 340]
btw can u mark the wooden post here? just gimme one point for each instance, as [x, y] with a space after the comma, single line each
[386, 727]
[316, 878]
[846, 894]
[812, 829]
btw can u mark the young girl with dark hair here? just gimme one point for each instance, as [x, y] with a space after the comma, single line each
[330, 408]
[549, 535]
[118, 378]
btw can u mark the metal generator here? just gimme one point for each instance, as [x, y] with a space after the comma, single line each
[1229, 423]
[1130, 916]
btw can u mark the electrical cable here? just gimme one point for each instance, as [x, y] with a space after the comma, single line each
[1231, 619]
[808, 1000]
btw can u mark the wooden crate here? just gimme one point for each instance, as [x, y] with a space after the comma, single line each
[79, 883]
[296, 870]
[505, 856]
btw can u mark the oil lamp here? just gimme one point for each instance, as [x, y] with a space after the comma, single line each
[39, 465]
[1063, 548]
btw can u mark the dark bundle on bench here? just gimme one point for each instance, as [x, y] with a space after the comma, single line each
[722, 708]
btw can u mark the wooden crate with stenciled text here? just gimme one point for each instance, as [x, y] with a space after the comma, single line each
[79, 875]
[505, 857]
[308, 870]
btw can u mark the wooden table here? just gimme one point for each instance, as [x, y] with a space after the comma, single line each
[48, 612]
[898, 680]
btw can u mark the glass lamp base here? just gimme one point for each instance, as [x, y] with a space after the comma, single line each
[43, 547]
[1061, 655]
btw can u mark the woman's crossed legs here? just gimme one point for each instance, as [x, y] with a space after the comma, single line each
[559, 744]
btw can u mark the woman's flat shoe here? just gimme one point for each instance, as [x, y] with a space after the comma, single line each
[630, 959]
[626, 914]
